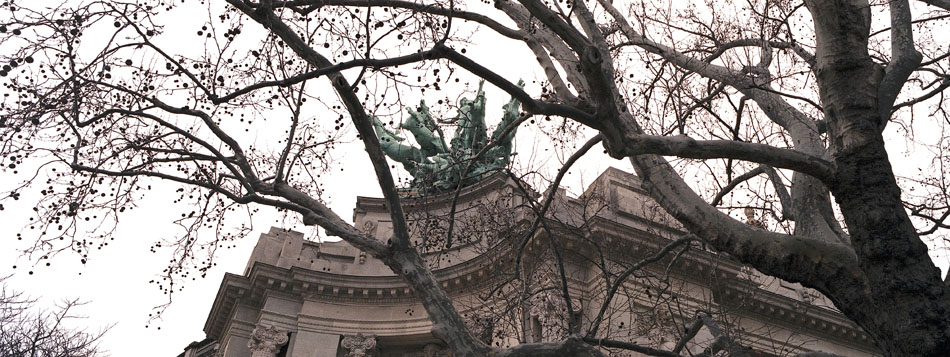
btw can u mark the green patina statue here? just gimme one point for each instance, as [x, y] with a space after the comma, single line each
[437, 167]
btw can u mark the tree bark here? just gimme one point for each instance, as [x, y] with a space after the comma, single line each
[908, 309]
[446, 322]
[906, 306]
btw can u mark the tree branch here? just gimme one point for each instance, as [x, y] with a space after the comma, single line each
[610, 343]
[552, 191]
[529, 104]
[321, 215]
[686, 147]
[622, 277]
[904, 58]
[572, 346]
[571, 36]
[401, 258]
[735, 182]
[559, 50]
[361, 120]
[780, 190]
[943, 4]
[331, 69]
[817, 264]
[772, 104]
[414, 6]
[784, 198]
[944, 84]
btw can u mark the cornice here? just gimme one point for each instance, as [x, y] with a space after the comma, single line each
[793, 314]
[624, 243]
[232, 288]
[303, 283]
[468, 193]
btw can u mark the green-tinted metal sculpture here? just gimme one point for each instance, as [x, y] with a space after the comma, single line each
[435, 166]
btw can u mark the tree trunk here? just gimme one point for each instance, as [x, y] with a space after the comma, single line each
[407, 263]
[909, 309]
[905, 306]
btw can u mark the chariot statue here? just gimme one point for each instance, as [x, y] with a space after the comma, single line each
[469, 155]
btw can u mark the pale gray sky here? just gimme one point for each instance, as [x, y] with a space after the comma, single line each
[115, 280]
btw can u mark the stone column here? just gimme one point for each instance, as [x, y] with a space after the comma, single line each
[266, 341]
[359, 345]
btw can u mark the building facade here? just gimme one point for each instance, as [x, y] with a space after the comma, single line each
[299, 298]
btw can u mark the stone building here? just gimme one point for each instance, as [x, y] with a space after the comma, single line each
[300, 298]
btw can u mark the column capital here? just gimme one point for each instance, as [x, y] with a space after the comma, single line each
[266, 340]
[359, 345]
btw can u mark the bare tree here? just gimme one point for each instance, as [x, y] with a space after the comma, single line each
[27, 332]
[788, 102]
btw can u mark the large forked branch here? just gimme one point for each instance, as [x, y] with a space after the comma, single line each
[904, 58]
[784, 198]
[541, 41]
[817, 264]
[770, 101]
[595, 65]
[824, 266]
[792, 258]
[529, 104]
[686, 147]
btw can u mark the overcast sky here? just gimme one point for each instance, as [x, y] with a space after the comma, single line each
[115, 279]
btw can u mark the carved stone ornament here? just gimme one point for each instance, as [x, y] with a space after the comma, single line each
[368, 226]
[266, 341]
[359, 345]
